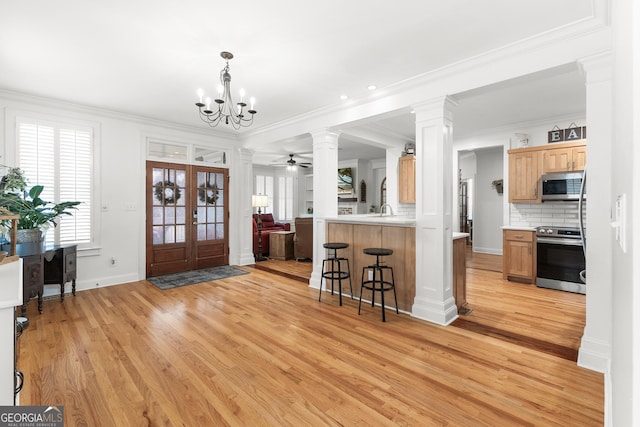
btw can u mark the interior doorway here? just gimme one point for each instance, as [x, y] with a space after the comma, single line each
[187, 214]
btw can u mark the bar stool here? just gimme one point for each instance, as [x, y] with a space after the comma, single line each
[377, 283]
[334, 274]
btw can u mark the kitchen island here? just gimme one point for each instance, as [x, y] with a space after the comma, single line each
[396, 233]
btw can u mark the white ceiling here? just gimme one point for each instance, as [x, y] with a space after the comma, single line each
[148, 58]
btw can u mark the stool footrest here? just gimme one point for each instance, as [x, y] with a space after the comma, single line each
[371, 285]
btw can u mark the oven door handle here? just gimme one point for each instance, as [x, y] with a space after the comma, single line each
[559, 241]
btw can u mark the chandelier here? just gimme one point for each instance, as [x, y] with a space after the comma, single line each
[234, 115]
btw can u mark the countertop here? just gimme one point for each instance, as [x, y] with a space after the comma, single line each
[386, 220]
[370, 219]
[515, 227]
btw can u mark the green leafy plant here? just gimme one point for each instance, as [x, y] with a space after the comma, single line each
[34, 212]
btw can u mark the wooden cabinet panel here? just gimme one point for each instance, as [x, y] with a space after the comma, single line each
[557, 160]
[579, 156]
[524, 177]
[400, 239]
[407, 179]
[565, 159]
[527, 165]
[519, 255]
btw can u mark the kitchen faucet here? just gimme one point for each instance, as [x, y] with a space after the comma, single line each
[382, 209]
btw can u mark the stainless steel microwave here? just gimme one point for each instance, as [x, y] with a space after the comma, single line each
[561, 186]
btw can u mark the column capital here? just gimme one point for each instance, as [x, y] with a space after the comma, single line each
[325, 135]
[435, 107]
[597, 68]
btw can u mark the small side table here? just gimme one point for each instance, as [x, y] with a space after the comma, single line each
[281, 245]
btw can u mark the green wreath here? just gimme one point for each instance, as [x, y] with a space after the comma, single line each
[167, 192]
[208, 194]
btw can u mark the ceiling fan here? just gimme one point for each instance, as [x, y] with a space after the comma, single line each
[292, 163]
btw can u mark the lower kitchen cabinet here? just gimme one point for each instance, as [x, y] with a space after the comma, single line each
[519, 255]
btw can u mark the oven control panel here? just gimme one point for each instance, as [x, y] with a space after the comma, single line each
[561, 232]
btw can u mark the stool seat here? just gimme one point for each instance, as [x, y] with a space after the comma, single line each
[332, 268]
[378, 251]
[377, 282]
[335, 246]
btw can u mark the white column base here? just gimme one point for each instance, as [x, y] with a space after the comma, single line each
[434, 311]
[594, 354]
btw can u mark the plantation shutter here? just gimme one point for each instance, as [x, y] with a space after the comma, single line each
[60, 159]
[285, 197]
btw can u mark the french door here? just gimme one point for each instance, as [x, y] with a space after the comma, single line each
[187, 218]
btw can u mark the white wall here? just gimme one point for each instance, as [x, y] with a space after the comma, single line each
[488, 204]
[121, 160]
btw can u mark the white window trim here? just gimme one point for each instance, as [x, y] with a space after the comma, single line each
[12, 117]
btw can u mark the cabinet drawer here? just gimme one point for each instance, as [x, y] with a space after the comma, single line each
[519, 235]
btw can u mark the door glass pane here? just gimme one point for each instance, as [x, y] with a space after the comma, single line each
[219, 231]
[181, 215]
[180, 234]
[157, 235]
[169, 215]
[202, 215]
[169, 205]
[158, 216]
[202, 232]
[169, 234]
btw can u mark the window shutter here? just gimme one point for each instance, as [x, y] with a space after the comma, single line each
[60, 159]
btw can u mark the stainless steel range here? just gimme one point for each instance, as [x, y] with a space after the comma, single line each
[561, 260]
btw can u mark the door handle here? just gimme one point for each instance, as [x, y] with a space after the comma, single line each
[195, 223]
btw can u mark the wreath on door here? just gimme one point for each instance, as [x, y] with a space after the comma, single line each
[167, 192]
[208, 194]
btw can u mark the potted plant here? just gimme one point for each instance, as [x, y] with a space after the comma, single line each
[35, 213]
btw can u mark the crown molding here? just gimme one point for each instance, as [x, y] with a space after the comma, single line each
[33, 102]
[405, 92]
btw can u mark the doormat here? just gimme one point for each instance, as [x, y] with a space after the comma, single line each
[175, 280]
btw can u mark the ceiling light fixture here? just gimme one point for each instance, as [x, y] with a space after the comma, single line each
[372, 87]
[226, 111]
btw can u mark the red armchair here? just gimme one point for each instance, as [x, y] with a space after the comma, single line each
[268, 225]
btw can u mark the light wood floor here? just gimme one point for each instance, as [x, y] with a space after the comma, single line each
[260, 349]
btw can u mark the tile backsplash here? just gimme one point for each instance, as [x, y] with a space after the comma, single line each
[558, 214]
[406, 209]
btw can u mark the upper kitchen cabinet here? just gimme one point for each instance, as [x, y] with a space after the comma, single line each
[524, 176]
[407, 179]
[568, 158]
[527, 165]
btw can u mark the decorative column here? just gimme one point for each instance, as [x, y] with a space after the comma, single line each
[434, 300]
[241, 242]
[595, 347]
[325, 194]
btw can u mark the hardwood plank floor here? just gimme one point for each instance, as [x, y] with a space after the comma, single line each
[260, 349]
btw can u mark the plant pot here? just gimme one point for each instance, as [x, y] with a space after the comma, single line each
[33, 235]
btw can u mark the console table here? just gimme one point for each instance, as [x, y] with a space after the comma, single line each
[46, 265]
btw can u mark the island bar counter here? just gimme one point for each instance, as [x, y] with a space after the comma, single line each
[397, 234]
[400, 239]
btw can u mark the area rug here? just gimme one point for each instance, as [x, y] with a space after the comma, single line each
[185, 278]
